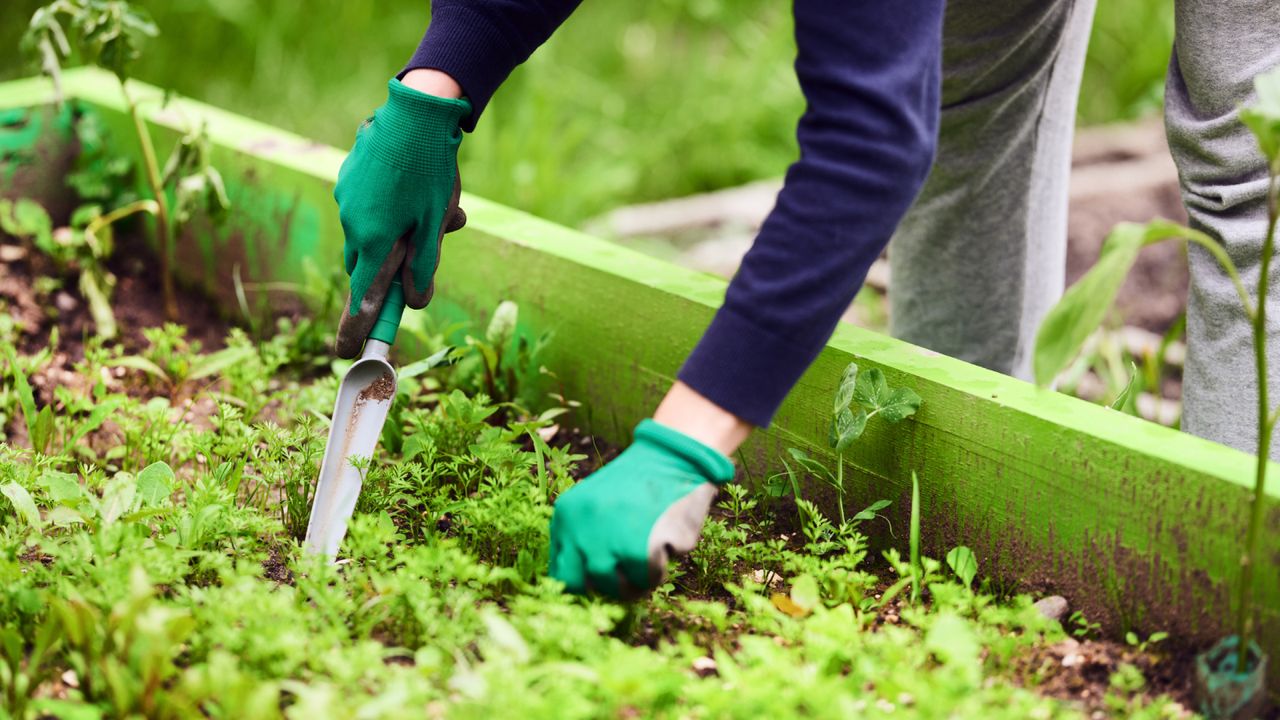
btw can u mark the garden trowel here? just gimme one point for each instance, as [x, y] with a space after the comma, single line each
[364, 398]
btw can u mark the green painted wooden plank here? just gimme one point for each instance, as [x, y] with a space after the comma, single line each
[1138, 525]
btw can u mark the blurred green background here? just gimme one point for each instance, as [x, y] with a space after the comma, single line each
[628, 102]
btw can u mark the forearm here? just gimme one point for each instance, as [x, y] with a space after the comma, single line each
[870, 75]
[432, 82]
[686, 410]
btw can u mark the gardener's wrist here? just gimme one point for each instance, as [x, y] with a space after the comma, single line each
[685, 410]
[432, 82]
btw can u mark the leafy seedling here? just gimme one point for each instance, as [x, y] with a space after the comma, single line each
[964, 564]
[109, 34]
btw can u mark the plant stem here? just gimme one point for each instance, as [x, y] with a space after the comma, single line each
[163, 229]
[1266, 424]
[120, 213]
[840, 483]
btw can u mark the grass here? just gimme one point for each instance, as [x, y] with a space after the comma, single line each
[150, 565]
[627, 103]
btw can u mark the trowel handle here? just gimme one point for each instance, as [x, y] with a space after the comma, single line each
[388, 321]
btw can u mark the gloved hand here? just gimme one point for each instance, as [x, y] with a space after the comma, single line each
[613, 532]
[400, 180]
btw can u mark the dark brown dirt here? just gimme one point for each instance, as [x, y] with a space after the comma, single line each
[384, 388]
[1080, 671]
[137, 301]
[275, 568]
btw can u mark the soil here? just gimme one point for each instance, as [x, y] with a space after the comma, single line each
[137, 300]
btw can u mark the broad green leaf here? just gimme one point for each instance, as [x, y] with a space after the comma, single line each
[506, 638]
[118, 497]
[487, 352]
[952, 641]
[844, 393]
[214, 363]
[871, 390]
[804, 592]
[26, 219]
[63, 516]
[902, 403]
[155, 484]
[963, 563]
[502, 325]
[42, 430]
[67, 709]
[807, 463]
[62, 488]
[137, 362]
[99, 301]
[847, 427]
[869, 513]
[22, 503]
[552, 413]
[1083, 307]
[98, 416]
[440, 357]
[416, 445]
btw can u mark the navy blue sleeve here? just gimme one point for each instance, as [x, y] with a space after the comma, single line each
[479, 42]
[870, 71]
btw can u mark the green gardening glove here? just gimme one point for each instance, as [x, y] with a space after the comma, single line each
[400, 180]
[614, 532]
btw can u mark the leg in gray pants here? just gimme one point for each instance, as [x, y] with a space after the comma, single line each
[1220, 46]
[979, 260]
[981, 256]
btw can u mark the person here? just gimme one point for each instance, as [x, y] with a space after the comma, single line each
[978, 255]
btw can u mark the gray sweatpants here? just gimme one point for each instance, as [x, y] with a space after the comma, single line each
[980, 258]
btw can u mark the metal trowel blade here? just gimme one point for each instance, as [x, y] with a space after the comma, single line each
[364, 398]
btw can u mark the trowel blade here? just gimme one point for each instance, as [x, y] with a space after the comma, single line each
[363, 401]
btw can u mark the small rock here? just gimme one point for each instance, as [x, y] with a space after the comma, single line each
[1067, 647]
[64, 302]
[1072, 660]
[704, 666]
[70, 679]
[1053, 607]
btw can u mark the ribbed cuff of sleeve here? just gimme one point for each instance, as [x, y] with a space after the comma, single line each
[412, 114]
[470, 49]
[745, 368]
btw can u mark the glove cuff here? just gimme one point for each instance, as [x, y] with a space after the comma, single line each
[709, 462]
[416, 132]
